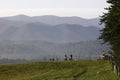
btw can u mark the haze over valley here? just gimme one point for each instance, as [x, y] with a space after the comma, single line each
[48, 36]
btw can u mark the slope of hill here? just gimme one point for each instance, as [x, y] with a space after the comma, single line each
[70, 70]
[55, 20]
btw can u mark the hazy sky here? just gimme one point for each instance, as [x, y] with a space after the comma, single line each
[82, 8]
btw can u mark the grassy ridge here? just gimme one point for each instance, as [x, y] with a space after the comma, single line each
[67, 70]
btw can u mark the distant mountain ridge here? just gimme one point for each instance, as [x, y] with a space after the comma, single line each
[23, 30]
[56, 20]
[39, 37]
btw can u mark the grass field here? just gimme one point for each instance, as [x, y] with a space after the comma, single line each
[66, 70]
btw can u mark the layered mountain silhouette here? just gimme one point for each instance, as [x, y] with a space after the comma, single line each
[48, 28]
[56, 20]
[22, 36]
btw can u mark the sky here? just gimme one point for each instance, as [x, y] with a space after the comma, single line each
[81, 8]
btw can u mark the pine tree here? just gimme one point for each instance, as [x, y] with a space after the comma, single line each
[111, 32]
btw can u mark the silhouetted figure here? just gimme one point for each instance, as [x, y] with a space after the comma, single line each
[65, 57]
[52, 59]
[71, 57]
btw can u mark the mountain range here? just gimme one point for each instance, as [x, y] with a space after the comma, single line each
[49, 28]
[48, 36]
[56, 20]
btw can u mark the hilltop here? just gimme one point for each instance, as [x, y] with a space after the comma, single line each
[66, 70]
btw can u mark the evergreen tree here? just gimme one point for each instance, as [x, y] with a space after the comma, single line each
[111, 32]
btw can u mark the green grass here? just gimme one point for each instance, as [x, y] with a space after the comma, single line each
[66, 70]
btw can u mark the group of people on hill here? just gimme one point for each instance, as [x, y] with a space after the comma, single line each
[103, 56]
[68, 58]
[65, 58]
